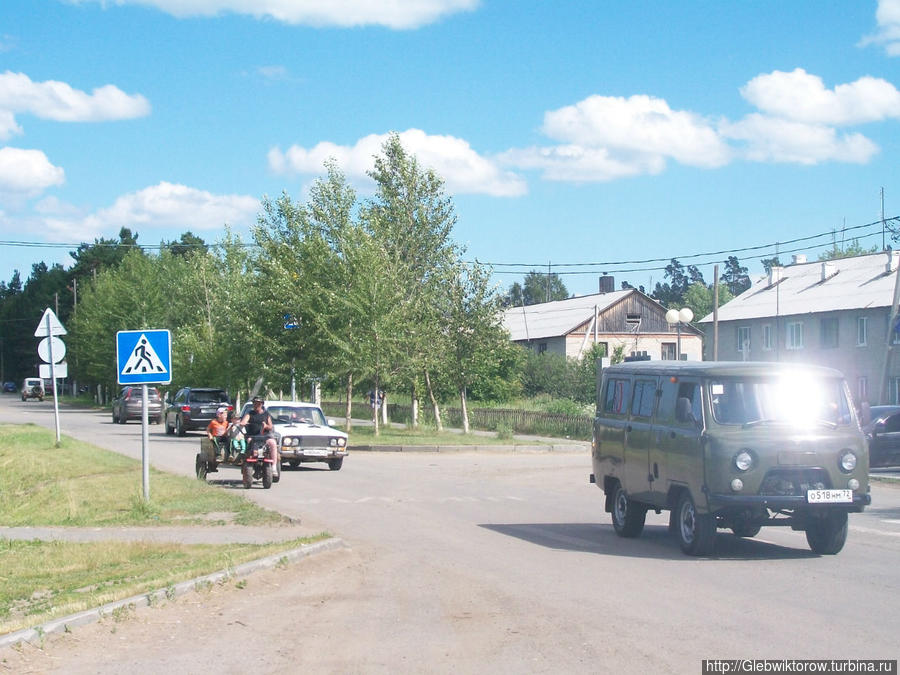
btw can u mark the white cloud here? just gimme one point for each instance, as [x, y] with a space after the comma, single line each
[162, 206]
[604, 138]
[802, 97]
[26, 173]
[643, 125]
[769, 139]
[397, 14]
[464, 171]
[888, 34]
[58, 101]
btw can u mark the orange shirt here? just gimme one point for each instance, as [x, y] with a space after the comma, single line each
[217, 428]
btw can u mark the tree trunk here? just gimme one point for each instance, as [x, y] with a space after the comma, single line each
[348, 422]
[434, 403]
[374, 404]
[414, 408]
[465, 410]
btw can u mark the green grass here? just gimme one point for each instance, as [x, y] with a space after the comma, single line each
[424, 436]
[79, 484]
[45, 580]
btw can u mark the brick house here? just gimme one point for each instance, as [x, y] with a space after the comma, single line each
[626, 317]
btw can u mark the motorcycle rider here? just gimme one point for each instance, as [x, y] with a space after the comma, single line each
[258, 422]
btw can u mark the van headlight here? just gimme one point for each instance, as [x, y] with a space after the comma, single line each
[847, 461]
[743, 461]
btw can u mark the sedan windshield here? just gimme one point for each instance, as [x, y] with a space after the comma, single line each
[297, 415]
[798, 400]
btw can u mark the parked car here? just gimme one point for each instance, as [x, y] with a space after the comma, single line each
[9, 387]
[33, 387]
[304, 435]
[128, 405]
[883, 434]
[194, 408]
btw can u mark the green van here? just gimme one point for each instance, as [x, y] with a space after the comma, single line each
[737, 445]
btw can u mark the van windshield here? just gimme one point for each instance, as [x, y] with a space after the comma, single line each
[797, 400]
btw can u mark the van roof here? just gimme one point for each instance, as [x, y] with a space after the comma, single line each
[721, 368]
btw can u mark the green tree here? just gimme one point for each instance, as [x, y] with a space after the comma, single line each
[838, 251]
[735, 276]
[700, 298]
[90, 259]
[769, 263]
[536, 288]
[186, 244]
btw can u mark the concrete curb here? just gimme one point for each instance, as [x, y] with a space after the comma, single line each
[64, 624]
[558, 447]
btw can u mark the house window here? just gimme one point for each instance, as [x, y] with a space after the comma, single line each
[743, 338]
[895, 390]
[632, 322]
[828, 333]
[862, 331]
[668, 351]
[862, 389]
[795, 335]
[767, 337]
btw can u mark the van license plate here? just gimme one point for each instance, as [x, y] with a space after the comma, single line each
[829, 496]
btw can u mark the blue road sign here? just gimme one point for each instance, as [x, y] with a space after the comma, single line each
[144, 356]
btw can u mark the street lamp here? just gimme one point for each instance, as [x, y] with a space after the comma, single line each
[678, 317]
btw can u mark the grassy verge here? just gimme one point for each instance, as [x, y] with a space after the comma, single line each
[82, 485]
[46, 580]
[424, 436]
[79, 484]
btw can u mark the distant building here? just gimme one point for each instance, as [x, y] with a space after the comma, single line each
[626, 317]
[834, 313]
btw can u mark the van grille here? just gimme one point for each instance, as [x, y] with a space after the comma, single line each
[793, 482]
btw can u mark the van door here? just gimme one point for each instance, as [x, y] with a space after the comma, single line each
[639, 440]
[678, 455]
[609, 431]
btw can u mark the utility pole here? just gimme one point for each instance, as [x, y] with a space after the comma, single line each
[548, 281]
[882, 219]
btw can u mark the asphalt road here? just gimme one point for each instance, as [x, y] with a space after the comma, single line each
[495, 562]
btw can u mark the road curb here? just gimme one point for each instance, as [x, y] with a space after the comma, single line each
[520, 448]
[66, 623]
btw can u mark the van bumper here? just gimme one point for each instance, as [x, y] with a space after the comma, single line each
[790, 502]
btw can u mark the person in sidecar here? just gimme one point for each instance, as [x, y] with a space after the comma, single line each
[258, 422]
[217, 431]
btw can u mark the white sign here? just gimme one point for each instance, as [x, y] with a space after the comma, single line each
[59, 350]
[55, 327]
[60, 370]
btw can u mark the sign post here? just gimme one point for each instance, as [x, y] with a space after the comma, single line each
[51, 350]
[144, 357]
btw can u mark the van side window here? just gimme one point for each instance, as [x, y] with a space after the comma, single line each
[616, 395]
[644, 398]
[691, 391]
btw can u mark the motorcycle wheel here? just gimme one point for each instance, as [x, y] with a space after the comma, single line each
[247, 475]
[267, 476]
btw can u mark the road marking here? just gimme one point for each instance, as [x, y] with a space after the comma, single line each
[869, 530]
[408, 500]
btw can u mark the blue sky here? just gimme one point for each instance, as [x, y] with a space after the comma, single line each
[572, 133]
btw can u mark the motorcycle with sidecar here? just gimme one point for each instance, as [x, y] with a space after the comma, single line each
[249, 454]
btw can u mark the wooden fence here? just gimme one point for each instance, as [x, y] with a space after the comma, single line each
[555, 425]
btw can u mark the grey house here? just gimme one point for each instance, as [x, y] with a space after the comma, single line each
[835, 313]
[615, 318]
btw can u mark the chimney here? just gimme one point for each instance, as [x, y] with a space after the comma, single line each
[775, 275]
[799, 258]
[607, 283]
[829, 269]
[891, 264]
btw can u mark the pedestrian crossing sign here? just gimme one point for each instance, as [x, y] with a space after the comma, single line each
[144, 356]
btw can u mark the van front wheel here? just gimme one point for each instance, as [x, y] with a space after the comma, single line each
[696, 532]
[826, 535]
[628, 516]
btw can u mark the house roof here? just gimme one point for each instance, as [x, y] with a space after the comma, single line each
[561, 317]
[859, 282]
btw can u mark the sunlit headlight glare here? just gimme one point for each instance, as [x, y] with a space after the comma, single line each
[743, 460]
[848, 461]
